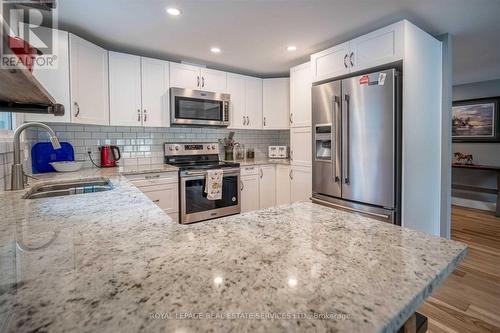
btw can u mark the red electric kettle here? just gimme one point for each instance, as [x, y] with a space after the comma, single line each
[109, 155]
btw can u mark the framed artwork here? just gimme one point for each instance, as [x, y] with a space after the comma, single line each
[476, 120]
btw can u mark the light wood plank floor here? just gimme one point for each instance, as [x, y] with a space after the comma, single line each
[469, 300]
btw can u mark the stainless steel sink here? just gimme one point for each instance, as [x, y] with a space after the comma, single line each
[58, 189]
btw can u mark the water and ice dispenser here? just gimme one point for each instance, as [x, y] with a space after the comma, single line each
[323, 142]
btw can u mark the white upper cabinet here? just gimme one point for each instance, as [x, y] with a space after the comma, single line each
[377, 48]
[331, 62]
[55, 80]
[253, 102]
[213, 80]
[300, 95]
[236, 88]
[184, 76]
[125, 104]
[155, 92]
[138, 91]
[197, 78]
[89, 82]
[380, 47]
[276, 103]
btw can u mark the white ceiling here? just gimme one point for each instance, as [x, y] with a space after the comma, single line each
[253, 35]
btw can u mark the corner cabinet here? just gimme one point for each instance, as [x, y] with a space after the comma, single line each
[379, 47]
[89, 82]
[275, 103]
[246, 101]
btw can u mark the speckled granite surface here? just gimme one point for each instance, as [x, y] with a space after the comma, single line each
[114, 262]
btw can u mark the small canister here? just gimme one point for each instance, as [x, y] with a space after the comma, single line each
[250, 153]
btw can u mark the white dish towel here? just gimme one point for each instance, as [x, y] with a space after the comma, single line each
[213, 184]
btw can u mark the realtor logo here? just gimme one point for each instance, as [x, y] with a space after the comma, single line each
[29, 34]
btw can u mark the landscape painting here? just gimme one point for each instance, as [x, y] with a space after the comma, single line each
[475, 121]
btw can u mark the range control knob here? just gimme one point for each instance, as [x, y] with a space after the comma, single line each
[170, 148]
[208, 147]
[213, 146]
[177, 147]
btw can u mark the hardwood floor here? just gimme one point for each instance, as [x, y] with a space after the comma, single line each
[469, 301]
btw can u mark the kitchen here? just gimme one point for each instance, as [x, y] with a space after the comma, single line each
[198, 196]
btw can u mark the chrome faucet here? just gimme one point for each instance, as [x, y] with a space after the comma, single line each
[18, 174]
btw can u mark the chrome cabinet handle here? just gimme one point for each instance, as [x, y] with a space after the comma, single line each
[197, 81]
[145, 116]
[291, 155]
[138, 115]
[244, 121]
[203, 81]
[242, 186]
[345, 61]
[291, 118]
[157, 200]
[77, 109]
[351, 60]
[346, 179]
[264, 121]
[290, 174]
[248, 120]
[154, 176]
[261, 173]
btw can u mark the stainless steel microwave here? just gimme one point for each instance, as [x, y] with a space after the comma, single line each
[198, 108]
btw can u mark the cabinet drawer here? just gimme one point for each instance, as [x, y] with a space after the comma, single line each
[249, 170]
[166, 198]
[146, 179]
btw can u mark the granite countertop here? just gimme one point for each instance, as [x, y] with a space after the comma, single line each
[262, 161]
[113, 261]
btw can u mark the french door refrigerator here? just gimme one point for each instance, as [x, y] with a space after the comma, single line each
[356, 144]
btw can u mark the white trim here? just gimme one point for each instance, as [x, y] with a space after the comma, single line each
[482, 205]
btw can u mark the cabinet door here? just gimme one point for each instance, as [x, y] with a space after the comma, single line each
[166, 198]
[267, 186]
[301, 183]
[212, 80]
[55, 80]
[330, 63]
[236, 88]
[276, 103]
[125, 90]
[185, 76]
[249, 193]
[253, 102]
[89, 82]
[155, 92]
[300, 95]
[283, 178]
[301, 146]
[377, 48]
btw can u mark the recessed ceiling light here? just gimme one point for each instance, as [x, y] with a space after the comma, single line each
[173, 11]
[215, 50]
[291, 48]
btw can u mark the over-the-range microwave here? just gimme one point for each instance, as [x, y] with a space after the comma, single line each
[198, 108]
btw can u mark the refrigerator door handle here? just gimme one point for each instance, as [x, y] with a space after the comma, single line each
[336, 167]
[346, 171]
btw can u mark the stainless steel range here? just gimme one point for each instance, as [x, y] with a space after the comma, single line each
[193, 161]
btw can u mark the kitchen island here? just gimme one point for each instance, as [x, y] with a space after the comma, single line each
[114, 262]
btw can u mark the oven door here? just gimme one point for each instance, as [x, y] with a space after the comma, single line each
[195, 107]
[194, 203]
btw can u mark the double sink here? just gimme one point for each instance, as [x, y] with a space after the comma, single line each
[58, 189]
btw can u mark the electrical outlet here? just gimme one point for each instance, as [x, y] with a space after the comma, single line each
[89, 151]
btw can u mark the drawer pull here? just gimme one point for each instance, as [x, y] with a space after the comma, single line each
[157, 200]
[152, 177]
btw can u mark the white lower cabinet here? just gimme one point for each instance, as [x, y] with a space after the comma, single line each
[283, 184]
[162, 189]
[267, 186]
[249, 193]
[301, 183]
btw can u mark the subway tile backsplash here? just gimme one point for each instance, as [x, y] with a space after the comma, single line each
[141, 146]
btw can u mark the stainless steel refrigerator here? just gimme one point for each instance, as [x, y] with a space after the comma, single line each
[356, 144]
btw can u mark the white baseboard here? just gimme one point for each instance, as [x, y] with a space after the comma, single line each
[489, 206]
